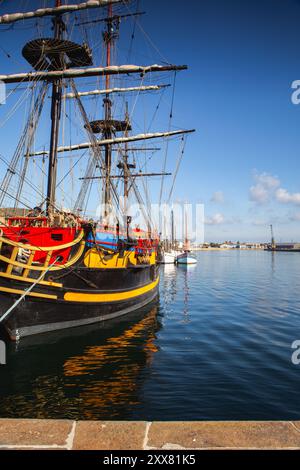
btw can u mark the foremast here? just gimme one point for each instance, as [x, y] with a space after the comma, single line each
[55, 120]
[108, 37]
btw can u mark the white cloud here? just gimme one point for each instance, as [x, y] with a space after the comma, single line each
[216, 219]
[259, 194]
[217, 197]
[264, 188]
[266, 180]
[283, 196]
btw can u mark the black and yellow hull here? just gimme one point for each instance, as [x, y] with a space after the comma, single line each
[91, 287]
[50, 308]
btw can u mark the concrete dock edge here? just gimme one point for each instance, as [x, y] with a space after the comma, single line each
[17, 434]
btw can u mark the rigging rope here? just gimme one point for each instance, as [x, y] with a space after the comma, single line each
[31, 134]
[96, 158]
[167, 143]
[177, 167]
[19, 150]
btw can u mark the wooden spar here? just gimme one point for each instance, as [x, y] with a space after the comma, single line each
[130, 149]
[88, 72]
[60, 10]
[116, 90]
[136, 175]
[118, 140]
[113, 18]
[138, 149]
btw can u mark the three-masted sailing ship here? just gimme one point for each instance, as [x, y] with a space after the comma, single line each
[59, 268]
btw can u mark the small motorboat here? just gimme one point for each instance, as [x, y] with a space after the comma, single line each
[186, 258]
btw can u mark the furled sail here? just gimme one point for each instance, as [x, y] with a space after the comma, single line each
[88, 72]
[116, 90]
[119, 140]
[13, 17]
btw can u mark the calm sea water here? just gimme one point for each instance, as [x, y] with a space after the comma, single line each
[217, 345]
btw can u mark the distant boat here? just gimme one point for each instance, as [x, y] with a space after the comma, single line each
[169, 253]
[186, 257]
[167, 258]
[170, 257]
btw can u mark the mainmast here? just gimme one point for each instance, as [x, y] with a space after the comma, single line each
[55, 118]
[126, 165]
[108, 36]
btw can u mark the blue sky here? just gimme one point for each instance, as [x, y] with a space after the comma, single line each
[243, 162]
[243, 57]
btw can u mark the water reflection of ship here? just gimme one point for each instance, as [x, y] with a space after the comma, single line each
[186, 275]
[98, 376]
[170, 283]
[186, 290]
[174, 277]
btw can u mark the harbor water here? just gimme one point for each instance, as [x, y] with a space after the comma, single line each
[215, 346]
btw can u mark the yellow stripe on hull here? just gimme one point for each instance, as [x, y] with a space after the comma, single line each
[115, 297]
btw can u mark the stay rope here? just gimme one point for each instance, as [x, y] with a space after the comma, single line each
[26, 292]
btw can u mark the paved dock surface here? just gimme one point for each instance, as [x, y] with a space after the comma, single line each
[141, 435]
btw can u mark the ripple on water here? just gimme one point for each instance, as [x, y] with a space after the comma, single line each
[217, 345]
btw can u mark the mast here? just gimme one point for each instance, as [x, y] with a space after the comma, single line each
[108, 39]
[55, 118]
[172, 229]
[186, 246]
[126, 163]
[186, 235]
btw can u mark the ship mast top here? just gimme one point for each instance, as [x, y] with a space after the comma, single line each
[108, 36]
[57, 59]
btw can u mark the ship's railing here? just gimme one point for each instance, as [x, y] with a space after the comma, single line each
[27, 221]
[15, 250]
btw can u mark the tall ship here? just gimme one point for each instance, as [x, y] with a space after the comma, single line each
[60, 267]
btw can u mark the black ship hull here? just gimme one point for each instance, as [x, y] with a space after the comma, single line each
[35, 317]
[51, 308]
